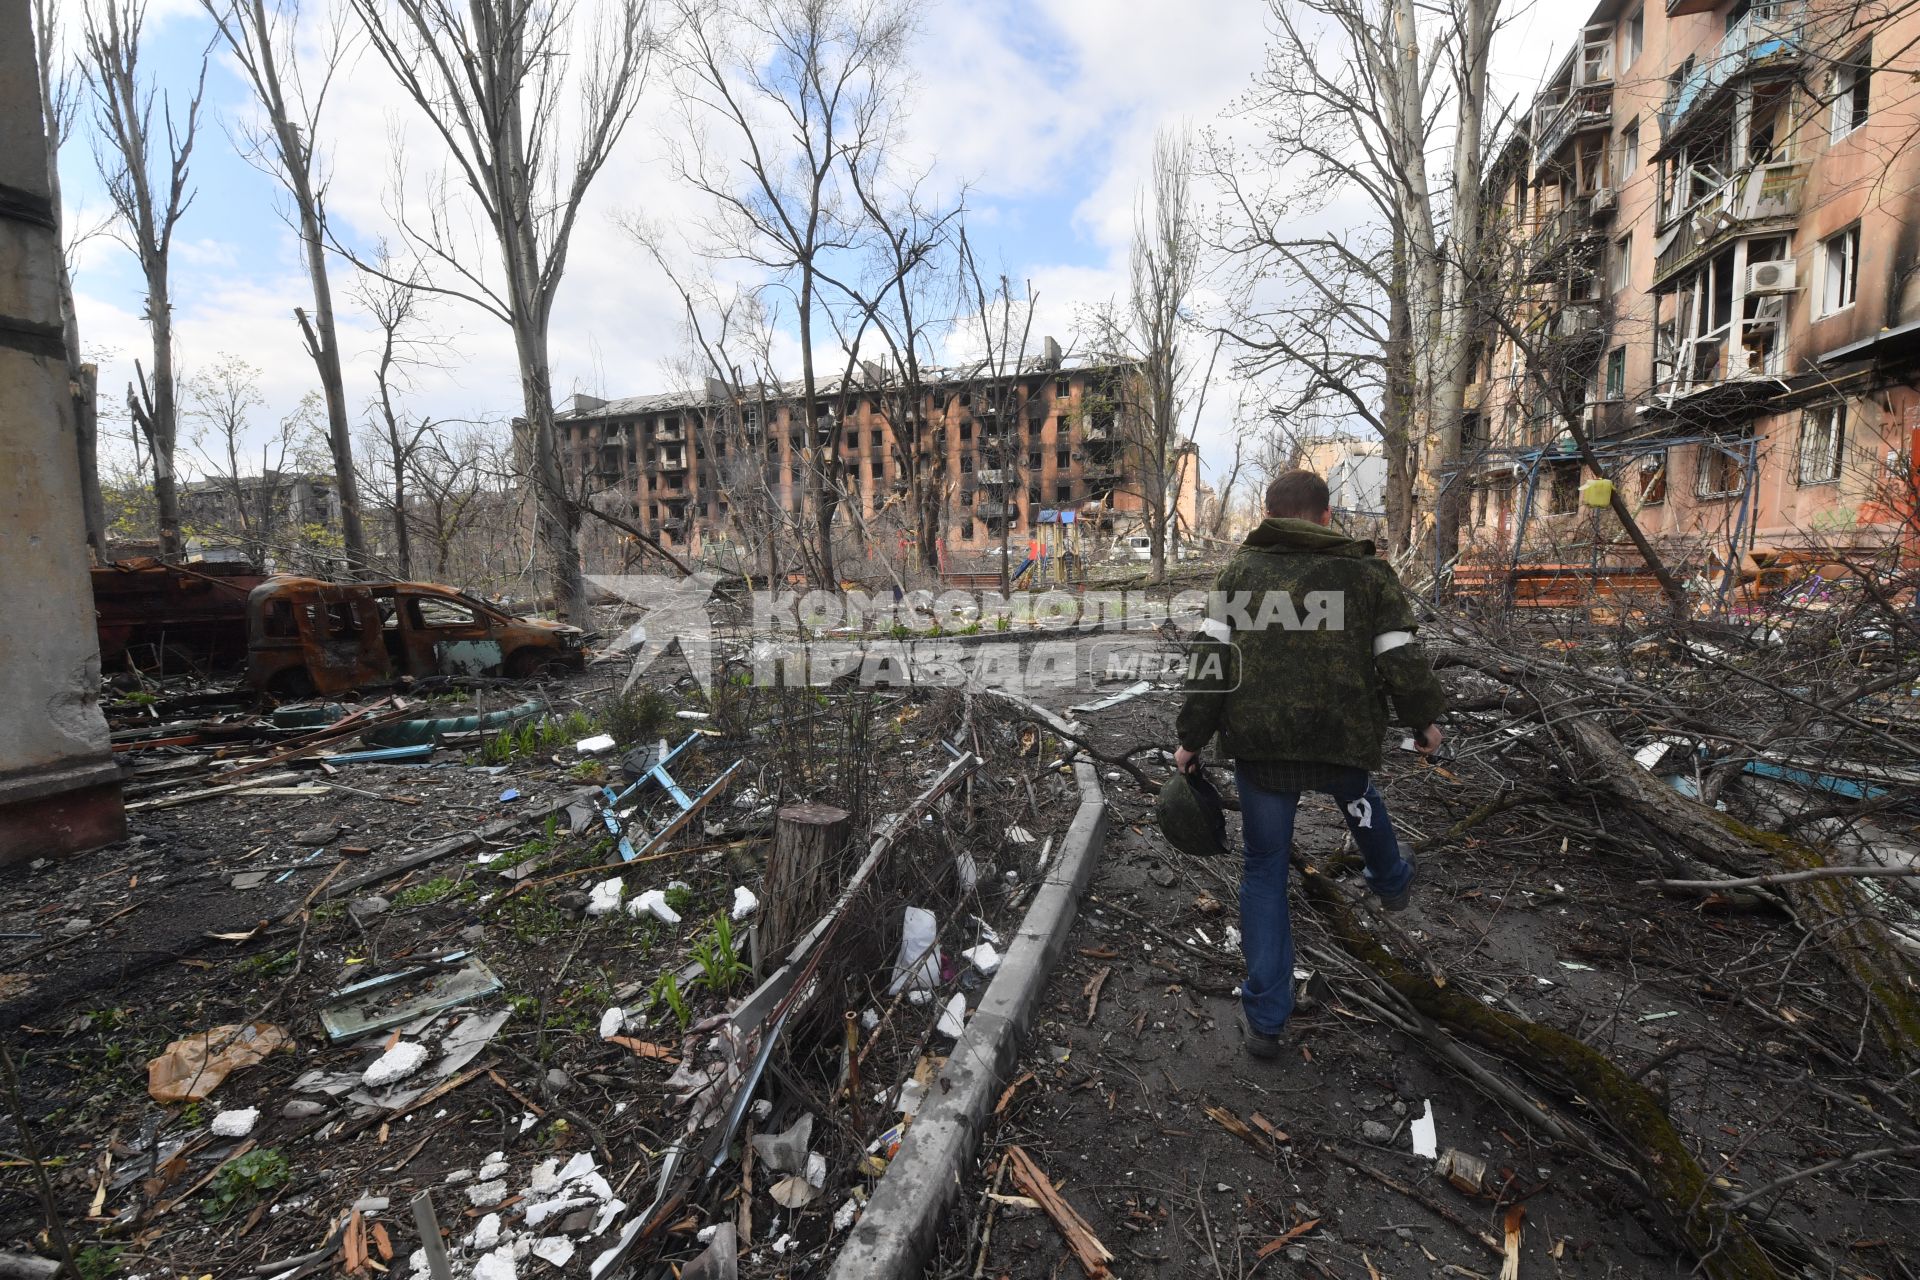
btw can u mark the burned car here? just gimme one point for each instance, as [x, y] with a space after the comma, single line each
[305, 636]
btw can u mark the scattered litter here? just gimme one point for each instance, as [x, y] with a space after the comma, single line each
[1466, 1172]
[919, 963]
[510, 794]
[193, 1067]
[613, 1022]
[1657, 1017]
[594, 745]
[378, 1004]
[1425, 1139]
[983, 957]
[745, 903]
[1019, 835]
[953, 1018]
[605, 898]
[494, 1166]
[653, 903]
[557, 1250]
[486, 1233]
[786, 1152]
[1113, 700]
[397, 1063]
[1576, 966]
[843, 1216]
[235, 1124]
[482, 1194]
[498, 1265]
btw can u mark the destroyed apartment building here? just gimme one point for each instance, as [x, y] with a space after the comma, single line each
[1048, 449]
[1721, 276]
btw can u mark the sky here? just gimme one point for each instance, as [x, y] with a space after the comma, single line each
[1045, 110]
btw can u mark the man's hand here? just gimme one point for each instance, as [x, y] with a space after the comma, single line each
[1428, 740]
[1185, 761]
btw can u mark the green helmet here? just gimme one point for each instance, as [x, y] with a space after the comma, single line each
[1191, 816]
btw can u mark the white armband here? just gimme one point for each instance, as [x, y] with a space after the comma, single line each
[1388, 641]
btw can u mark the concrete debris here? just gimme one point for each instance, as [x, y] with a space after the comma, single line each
[983, 957]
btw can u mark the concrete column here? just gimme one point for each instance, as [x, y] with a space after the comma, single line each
[59, 785]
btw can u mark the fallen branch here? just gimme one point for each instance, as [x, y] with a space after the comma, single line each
[1693, 1208]
[1087, 1250]
[1858, 1157]
[1787, 877]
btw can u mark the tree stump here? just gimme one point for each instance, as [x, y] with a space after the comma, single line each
[807, 842]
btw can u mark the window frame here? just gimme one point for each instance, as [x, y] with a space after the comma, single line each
[1615, 387]
[1830, 421]
[1633, 40]
[1846, 243]
[1705, 456]
[1629, 150]
[1850, 76]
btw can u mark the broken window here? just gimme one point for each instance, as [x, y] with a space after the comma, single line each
[1564, 496]
[1839, 270]
[1847, 87]
[1596, 55]
[1769, 123]
[1653, 479]
[1718, 473]
[435, 612]
[1823, 441]
[279, 619]
[1062, 388]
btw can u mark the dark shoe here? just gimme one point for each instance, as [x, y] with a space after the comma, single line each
[1398, 901]
[1259, 1044]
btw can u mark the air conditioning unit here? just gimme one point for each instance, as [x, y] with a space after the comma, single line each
[1778, 276]
[1603, 201]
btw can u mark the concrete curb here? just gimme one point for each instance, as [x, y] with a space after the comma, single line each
[898, 1230]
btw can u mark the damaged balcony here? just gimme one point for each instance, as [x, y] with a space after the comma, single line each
[1763, 199]
[1767, 39]
[1567, 229]
[1588, 109]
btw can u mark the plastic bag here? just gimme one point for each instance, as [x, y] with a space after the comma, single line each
[192, 1068]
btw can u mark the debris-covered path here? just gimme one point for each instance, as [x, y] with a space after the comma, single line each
[1186, 1157]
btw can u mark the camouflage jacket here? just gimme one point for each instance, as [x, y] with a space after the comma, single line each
[1308, 635]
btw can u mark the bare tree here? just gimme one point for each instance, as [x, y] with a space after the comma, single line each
[1377, 318]
[489, 79]
[1145, 335]
[60, 103]
[220, 402]
[149, 193]
[903, 292]
[807, 89]
[263, 41]
[1003, 356]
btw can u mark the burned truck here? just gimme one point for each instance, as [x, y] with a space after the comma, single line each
[306, 636]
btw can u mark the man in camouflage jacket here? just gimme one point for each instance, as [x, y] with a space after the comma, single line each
[1309, 638]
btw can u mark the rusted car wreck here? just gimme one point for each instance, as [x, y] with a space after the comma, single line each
[306, 636]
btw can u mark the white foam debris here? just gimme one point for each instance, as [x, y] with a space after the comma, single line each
[592, 746]
[745, 903]
[654, 903]
[843, 1216]
[498, 1265]
[544, 1177]
[486, 1233]
[983, 957]
[613, 1022]
[494, 1166]
[816, 1169]
[396, 1063]
[235, 1124]
[482, 1194]
[605, 898]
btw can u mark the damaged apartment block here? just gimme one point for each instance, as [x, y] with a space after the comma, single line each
[1717, 205]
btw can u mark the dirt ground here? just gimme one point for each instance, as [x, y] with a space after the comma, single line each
[221, 913]
[1131, 1102]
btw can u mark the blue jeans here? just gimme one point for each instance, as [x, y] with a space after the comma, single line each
[1266, 931]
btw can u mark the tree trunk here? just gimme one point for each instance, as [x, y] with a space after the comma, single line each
[86, 433]
[1397, 412]
[1836, 912]
[807, 842]
[1684, 1198]
[165, 418]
